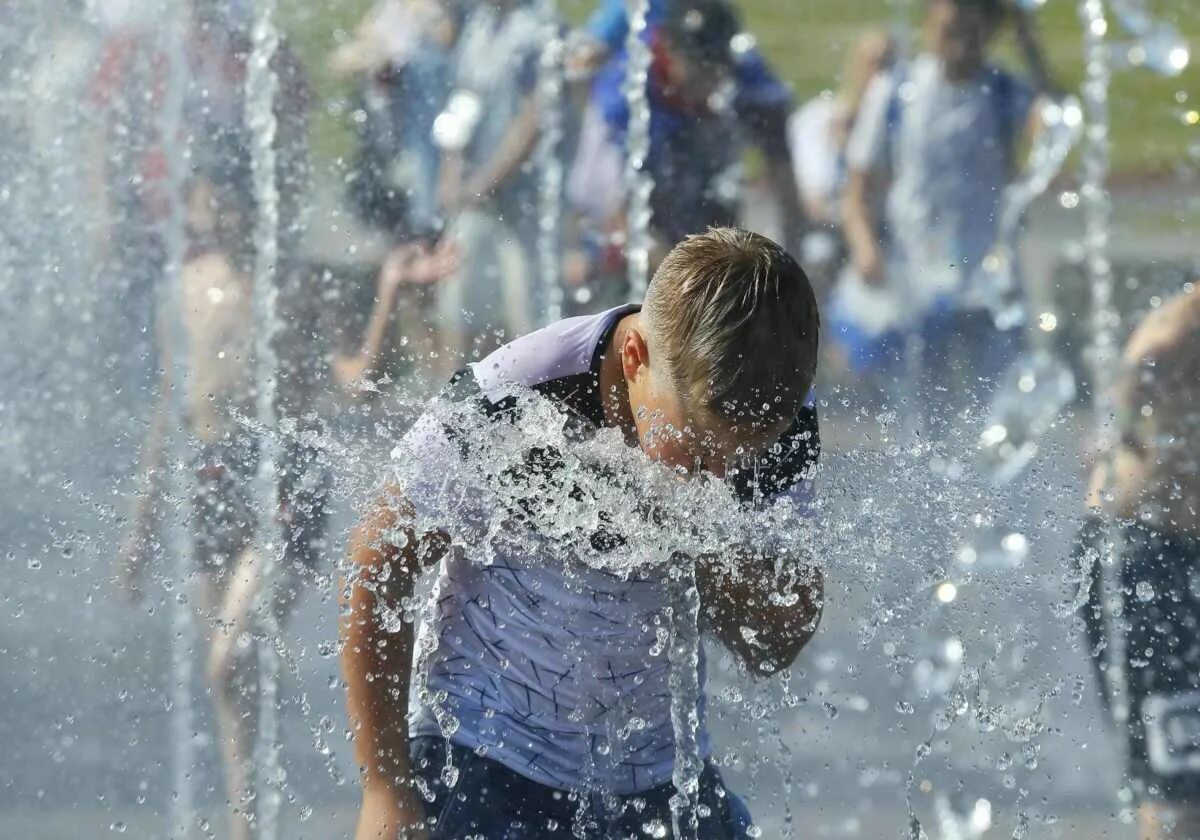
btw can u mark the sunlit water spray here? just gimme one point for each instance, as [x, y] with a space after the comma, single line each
[262, 88]
[639, 182]
[184, 641]
[1157, 46]
[549, 163]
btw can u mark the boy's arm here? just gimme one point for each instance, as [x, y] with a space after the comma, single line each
[385, 558]
[763, 621]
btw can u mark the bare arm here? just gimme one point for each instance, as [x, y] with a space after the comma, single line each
[514, 150]
[764, 624]
[385, 558]
[408, 265]
[860, 226]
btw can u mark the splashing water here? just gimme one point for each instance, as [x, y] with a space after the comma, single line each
[1030, 398]
[638, 181]
[261, 90]
[183, 629]
[997, 276]
[1157, 45]
[549, 163]
[1105, 318]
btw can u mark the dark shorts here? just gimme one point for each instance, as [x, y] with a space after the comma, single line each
[491, 802]
[1161, 578]
[1161, 595]
[224, 511]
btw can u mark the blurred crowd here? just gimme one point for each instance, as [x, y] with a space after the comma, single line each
[887, 186]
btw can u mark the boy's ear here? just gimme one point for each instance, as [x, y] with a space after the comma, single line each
[635, 355]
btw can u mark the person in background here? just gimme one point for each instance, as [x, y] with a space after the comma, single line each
[604, 34]
[711, 94]
[932, 150]
[1146, 495]
[401, 58]
[818, 133]
[219, 211]
[488, 189]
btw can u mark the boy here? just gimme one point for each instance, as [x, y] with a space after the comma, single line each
[1153, 491]
[930, 155]
[715, 366]
[711, 93]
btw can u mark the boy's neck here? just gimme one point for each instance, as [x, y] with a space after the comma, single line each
[614, 391]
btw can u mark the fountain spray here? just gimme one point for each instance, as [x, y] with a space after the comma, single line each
[639, 182]
[261, 90]
[183, 629]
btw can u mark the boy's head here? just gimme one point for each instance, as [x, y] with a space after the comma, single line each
[725, 352]
[959, 32]
[698, 37]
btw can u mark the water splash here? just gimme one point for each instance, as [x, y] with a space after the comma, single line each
[1097, 208]
[684, 657]
[997, 276]
[638, 180]
[1157, 45]
[1030, 398]
[548, 161]
[182, 622]
[262, 87]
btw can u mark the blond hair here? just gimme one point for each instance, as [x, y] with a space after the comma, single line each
[733, 324]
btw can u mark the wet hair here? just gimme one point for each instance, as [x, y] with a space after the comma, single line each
[733, 320]
[702, 29]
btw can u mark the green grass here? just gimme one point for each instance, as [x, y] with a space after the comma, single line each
[807, 41]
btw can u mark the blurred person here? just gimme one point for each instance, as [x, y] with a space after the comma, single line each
[488, 188]
[711, 93]
[1146, 494]
[672, 375]
[401, 58]
[932, 150]
[401, 63]
[604, 34]
[219, 329]
[819, 130]
[412, 264]
[219, 213]
[818, 133]
[130, 163]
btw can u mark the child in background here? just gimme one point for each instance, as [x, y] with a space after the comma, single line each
[1149, 488]
[928, 161]
[711, 94]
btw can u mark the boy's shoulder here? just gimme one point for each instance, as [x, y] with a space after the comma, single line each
[564, 350]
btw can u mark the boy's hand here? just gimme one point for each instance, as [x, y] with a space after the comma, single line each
[389, 813]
